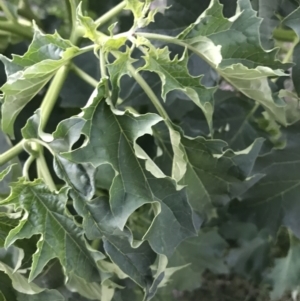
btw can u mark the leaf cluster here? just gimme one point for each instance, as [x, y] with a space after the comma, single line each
[143, 143]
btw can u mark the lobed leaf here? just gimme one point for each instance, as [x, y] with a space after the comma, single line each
[28, 74]
[232, 47]
[130, 190]
[60, 237]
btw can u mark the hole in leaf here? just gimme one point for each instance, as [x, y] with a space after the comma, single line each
[79, 142]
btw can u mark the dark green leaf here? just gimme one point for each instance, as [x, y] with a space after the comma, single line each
[59, 233]
[130, 191]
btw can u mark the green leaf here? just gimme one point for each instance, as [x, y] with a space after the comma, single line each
[90, 31]
[98, 221]
[133, 185]
[233, 48]
[6, 224]
[46, 216]
[140, 10]
[286, 272]
[291, 21]
[134, 262]
[29, 291]
[174, 75]
[213, 177]
[5, 172]
[195, 255]
[250, 255]
[273, 201]
[117, 70]
[266, 10]
[28, 74]
[11, 170]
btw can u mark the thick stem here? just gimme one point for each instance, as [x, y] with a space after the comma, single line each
[11, 153]
[52, 94]
[110, 14]
[74, 32]
[285, 35]
[17, 29]
[84, 76]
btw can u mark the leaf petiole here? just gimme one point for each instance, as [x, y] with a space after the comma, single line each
[110, 14]
[139, 79]
[43, 167]
[28, 163]
[84, 76]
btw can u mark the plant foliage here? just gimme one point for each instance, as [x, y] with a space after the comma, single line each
[143, 143]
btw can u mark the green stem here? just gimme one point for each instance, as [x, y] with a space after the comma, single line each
[11, 153]
[7, 12]
[84, 76]
[45, 172]
[110, 14]
[25, 171]
[15, 28]
[147, 89]
[74, 32]
[285, 35]
[52, 94]
[290, 52]
[103, 70]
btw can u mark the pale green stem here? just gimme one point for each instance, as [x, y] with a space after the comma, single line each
[11, 153]
[86, 49]
[41, 143]
[25, 171]
[290, 52]
[84, 76]
[110, 14]
[72, 7]
[103, 70]
[7, 12]
[17, 29]
[52, 94]
[45, 172]
[147, 89]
